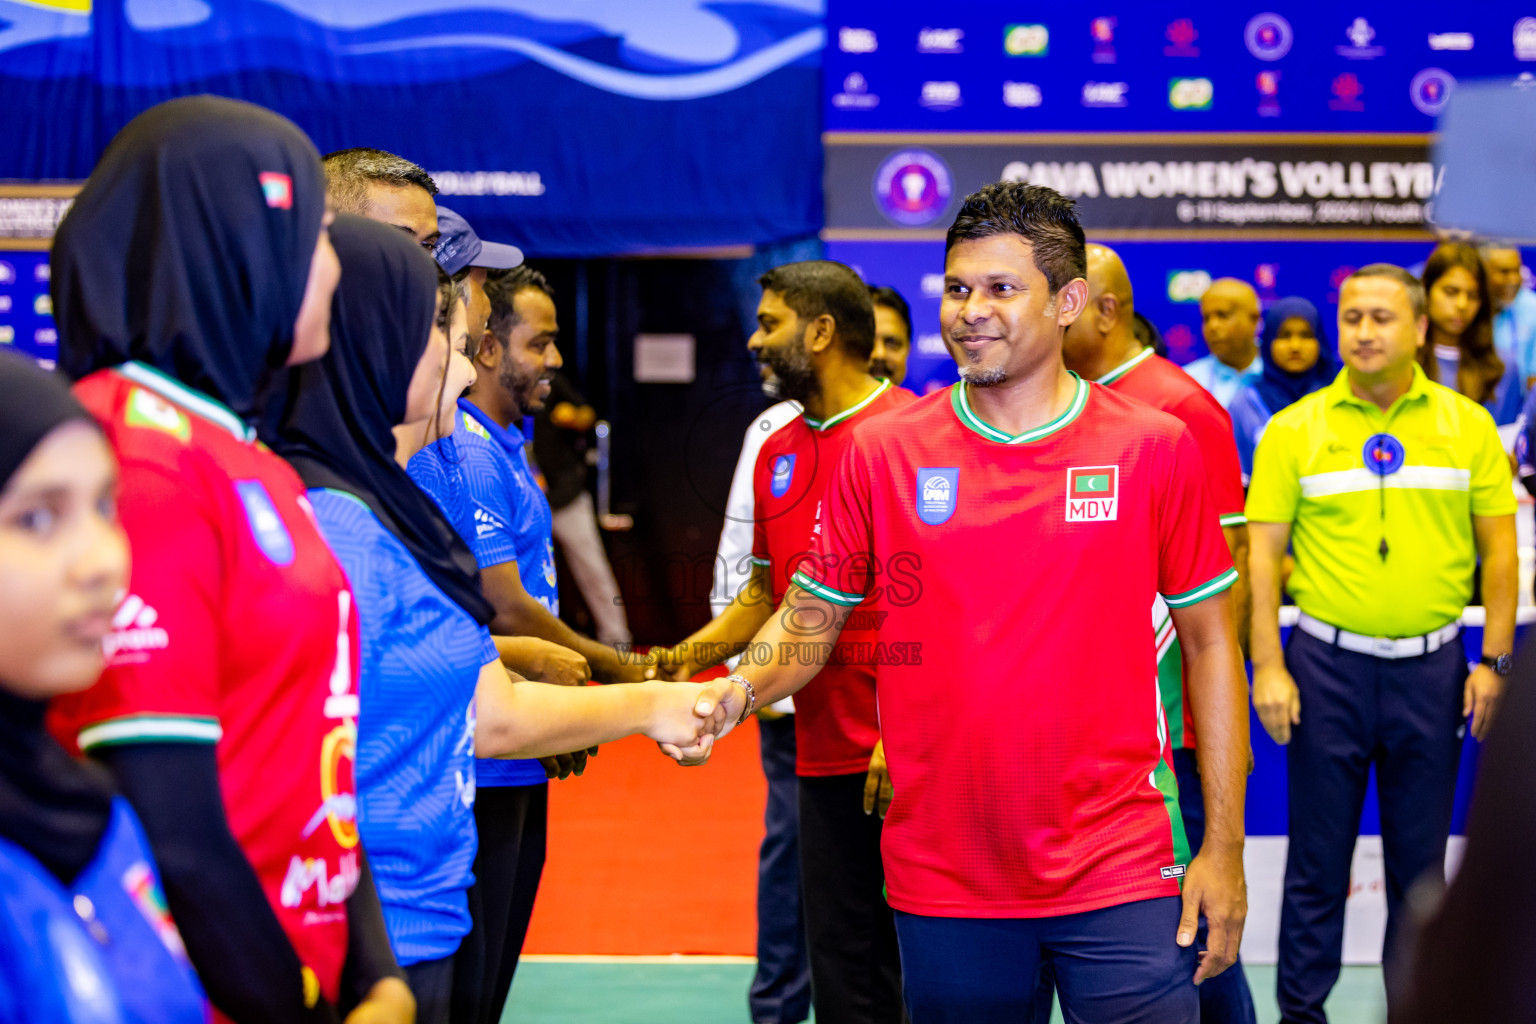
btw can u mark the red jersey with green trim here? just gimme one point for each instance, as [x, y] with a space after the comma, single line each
[1028, 750]
[1162, 385]
[238, 631]
[836, 725]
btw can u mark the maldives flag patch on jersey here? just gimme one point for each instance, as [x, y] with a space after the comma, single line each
[277, 189]
[1093, 494]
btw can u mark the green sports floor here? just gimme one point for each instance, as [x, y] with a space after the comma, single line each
[707, 990]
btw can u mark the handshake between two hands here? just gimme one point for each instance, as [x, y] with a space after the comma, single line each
[688, 718]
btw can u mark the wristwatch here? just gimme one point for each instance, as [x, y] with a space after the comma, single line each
[1502, 664]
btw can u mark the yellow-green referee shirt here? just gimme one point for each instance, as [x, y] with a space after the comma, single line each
[1309, 470]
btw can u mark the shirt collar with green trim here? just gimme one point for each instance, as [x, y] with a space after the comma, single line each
[1127, 366]
[173, 390]
[1340, 393]
[961, 403]
[851, 411]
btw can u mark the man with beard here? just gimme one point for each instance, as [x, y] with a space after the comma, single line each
[515, 547]
[893, 334]
[816, 328]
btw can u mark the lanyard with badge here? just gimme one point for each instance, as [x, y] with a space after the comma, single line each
[1384, 456]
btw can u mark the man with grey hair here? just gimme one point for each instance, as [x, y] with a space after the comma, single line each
[383, 187]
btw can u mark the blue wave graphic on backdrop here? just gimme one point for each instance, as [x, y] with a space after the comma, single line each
[655, 49]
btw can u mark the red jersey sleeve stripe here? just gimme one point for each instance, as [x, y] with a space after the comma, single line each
[1203, 591]
[151, 729]
[1234, 519]
[826, 593]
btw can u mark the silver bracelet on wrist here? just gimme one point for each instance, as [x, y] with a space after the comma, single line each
[751, 691]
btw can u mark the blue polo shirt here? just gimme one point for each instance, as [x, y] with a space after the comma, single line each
[419, 661]
[126, 965]
[480, 487]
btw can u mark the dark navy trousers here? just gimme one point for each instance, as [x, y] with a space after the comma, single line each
[1403, 716]
[781, 989]
[1119, 965]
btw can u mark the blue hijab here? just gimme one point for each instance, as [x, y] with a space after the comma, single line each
[1279, 388]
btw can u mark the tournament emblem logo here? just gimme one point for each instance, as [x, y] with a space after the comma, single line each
[936, 492]
[1430, 90]
[1268, 36]
[912, 187]
[1347, 91]
[1093, 494]
[1383, 454]
[1181, 36]
[1103, 32]
[783, 473]
[266, 525]
[1360, 33]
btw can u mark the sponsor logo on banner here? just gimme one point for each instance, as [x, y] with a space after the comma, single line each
[932, 286]
[941, 40]
[1347, 91]
[277, 189]
[1021, 94]
[45, 336]
[1026, 40]
[1450, 40]
[783, 475]
[936, 494]
[1525, 39]
[855, 94]
[7, 334]
[267, 527]
[42, 273]
[1268, 84]
[940, 95]
[1105, 94]
[1181, 36]
[1190, 93]
[7, 273]
[931, 345]
[1430, 90]
[42, 305]
[1187, 285]
[1265, 276]
[1360, 33]
[1093, 494]
[1336, 281]
[1268, 36]
[1103, 32]
[857, 40]
[912, 187]
[5, 303]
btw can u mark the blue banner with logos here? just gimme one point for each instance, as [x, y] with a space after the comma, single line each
[571, 129]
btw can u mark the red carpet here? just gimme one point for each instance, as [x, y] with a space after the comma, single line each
[646, 857]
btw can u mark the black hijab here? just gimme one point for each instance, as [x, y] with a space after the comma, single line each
[189, 248]
[336, 427]
[51, 805]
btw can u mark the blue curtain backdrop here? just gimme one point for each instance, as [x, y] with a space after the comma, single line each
[572, 129]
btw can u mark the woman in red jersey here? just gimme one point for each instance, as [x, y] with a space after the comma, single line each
[193, 265]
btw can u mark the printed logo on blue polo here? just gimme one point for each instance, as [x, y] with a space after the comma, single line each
[936, 493]
[266, 525]
[783, 473]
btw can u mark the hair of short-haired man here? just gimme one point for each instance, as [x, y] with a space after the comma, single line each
[888, 297]
[348, 173]
[1043, 217]
[1479, 368]
[502, 288]
[1414, 286]
[814, 288]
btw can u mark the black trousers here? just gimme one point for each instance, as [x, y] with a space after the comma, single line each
[781, 986]
[1402, 716]
[855, 959]
[513, 822]
[431, 983]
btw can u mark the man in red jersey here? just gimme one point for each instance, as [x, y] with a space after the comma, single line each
[1101, 346]
[1036, 811]
[816, 331]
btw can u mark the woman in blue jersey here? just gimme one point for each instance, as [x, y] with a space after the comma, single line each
[1298, 360]
[427, 663]
[84, 934]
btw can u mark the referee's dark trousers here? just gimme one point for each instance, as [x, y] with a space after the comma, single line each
[1403, 716]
